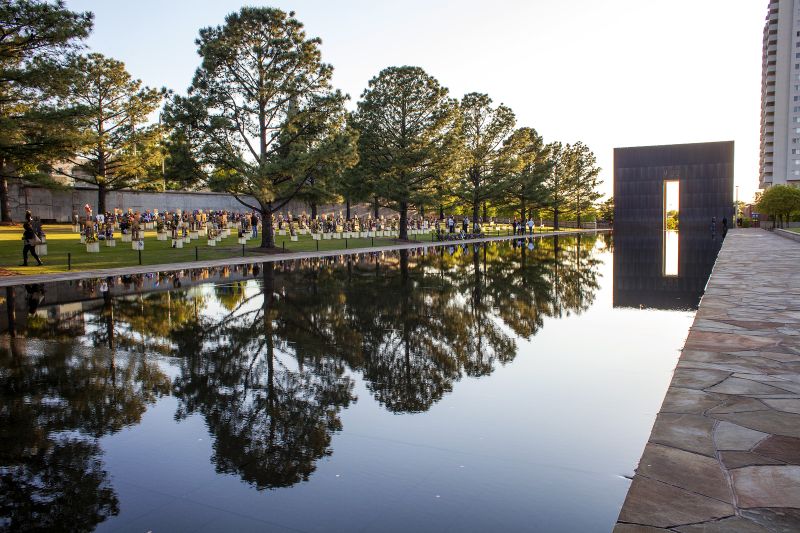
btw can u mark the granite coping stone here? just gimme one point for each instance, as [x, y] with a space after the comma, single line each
[724, 452]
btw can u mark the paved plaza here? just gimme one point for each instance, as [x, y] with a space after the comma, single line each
[724, 453]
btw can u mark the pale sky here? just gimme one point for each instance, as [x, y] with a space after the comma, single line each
[610, 73]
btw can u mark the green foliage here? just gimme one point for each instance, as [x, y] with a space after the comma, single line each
[780, 201]
[408, 137]
[583, 177]
[261, 116]
[35, 126]
[671, 220]
[488, 163]
[526, 187]
[606, 210]
[118, 149]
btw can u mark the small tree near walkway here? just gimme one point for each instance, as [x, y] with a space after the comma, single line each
[780, 201]
[261, 115]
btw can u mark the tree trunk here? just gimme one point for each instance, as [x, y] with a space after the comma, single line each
[101, 199]
[347, 208]
[313, 211]
[403, 221]
[267, 234]
[475, 210]
[555, 218]
[484, 212]
[441, 212]
[375, 208]
[5, 206]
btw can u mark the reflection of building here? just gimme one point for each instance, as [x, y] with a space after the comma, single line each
[640, 279]
[780, 95]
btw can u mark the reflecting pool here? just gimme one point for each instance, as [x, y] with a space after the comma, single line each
[495, 387]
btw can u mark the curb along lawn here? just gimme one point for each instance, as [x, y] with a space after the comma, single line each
[61, 240]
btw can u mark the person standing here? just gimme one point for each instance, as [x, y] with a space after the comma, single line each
[451, 224]
[465, 225]
[30, 239]
[530, 225]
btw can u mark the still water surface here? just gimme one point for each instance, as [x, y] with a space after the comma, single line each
[475, 388]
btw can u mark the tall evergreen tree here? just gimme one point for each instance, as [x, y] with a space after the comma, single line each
[118, 148]
[558, 180]
[526, 189]
[487, 163]
[261, 112]
[36, 39]
[407, 126]
[584, 180]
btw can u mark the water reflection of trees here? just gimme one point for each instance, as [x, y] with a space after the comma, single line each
[56, 401]
[265, 362]
[271, 415]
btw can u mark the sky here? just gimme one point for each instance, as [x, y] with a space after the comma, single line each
[609, 73]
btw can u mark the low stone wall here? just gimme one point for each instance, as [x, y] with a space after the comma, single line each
[788, 234]
[58, 205]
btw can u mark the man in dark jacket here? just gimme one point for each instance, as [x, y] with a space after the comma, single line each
[29, 237]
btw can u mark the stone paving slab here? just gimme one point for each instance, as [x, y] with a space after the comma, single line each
[255, 257]
[724, 453]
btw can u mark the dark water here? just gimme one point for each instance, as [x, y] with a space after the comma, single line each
[479, 388]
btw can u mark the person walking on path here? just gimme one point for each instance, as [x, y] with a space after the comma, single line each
[30, 239]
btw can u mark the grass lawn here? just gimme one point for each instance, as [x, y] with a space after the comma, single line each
[794, 230]
[62, 241]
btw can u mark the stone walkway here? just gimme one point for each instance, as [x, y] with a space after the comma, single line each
[11, 281]
[724, 453]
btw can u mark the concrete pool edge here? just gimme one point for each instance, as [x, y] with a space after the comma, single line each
[724, 451]
[11, 281]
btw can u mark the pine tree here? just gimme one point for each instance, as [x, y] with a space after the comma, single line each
[558, 179]
[584, 180]
[36, 40]
[407, 137]
[118, 148]
[526, 189]
[261, 114]
[487, 164]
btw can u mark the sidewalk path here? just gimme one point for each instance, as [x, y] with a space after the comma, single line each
[255, 257]
[724, 453]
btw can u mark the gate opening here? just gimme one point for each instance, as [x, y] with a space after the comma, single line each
[671, 218]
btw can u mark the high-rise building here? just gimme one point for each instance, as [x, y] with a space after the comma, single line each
[780, 95]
